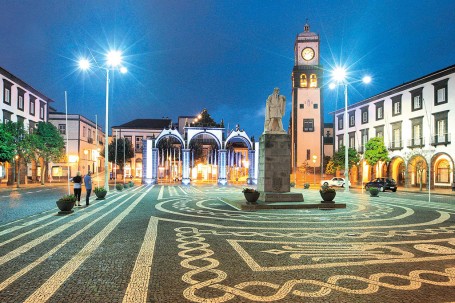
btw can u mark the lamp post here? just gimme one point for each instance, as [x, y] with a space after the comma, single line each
[113, 62]
[339, 75]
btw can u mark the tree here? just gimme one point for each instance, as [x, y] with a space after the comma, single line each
[122, 144]
[420, 167]
[7, 150]
[21, 145]
[49, 145]
[338, 157]
[206, 120]
[376, 151]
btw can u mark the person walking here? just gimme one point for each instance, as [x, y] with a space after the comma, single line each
[77, 187]
[88, 187]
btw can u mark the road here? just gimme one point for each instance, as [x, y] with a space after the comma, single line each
[185, 244]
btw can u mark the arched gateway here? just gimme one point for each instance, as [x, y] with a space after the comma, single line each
[219, 156]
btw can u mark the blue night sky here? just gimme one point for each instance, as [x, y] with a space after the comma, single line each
[226, 56]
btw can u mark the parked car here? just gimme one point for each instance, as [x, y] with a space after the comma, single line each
[382, 184]
[334, 182]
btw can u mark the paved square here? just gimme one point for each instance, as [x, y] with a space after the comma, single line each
[184, 244]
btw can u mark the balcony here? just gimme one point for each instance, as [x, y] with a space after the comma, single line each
[90, 140]
[416, 143]
[443, 139]
[395, 145]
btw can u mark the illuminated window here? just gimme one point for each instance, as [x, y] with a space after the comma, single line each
[303, 81]
[313, 80]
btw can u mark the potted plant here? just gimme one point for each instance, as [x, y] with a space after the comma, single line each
[100, 193]
[292, 184]
[251, 194]
[131, 183]
[306, 185]
[327, 193]
[374, 191]
[66, 203]
[119, 186]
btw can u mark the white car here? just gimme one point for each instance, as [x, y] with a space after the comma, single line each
[334, 182]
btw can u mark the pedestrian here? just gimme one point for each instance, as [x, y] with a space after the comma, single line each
[88, 187]
[77, 187]
[453, 185]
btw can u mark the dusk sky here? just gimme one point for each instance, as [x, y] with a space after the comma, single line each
[226, 56]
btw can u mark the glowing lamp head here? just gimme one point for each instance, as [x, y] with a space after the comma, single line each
[123, 70]
[332, 85]
[84, 64]
[339, 74]
[114, 58]
[366, 79]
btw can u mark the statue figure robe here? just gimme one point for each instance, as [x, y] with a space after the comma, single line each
[274, 112]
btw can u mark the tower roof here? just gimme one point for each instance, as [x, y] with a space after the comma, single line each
[306, 31]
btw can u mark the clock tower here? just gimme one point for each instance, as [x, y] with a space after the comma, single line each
[307, 108]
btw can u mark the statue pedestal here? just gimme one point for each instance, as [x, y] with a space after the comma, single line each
[275, 169]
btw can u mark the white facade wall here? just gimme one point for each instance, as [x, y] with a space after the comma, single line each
[83, 146]
[429, 113]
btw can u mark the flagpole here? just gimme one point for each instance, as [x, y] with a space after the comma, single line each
[66, 131]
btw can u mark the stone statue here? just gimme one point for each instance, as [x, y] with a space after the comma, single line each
[274, 111]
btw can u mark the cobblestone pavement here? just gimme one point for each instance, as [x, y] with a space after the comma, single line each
[184, 244]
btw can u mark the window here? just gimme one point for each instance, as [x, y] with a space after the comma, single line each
[443, 171]
[396, 105]
[340, 122]
[441, 128]
[32, 105]
[308, 154]
[308, 125]
[20, 99]
[128, 139]
[352, 140]
[139, 142]
[303, 81]
[62, 129]
[31, 126]
[41, 111]
[340, 141]
[6, 116]
[440, 92]
[84, 131]
[364, 111]
[20, 120]
[417, 139]
[365, 138]
[7, 92]
[379, 110]
[416, 99]
[315, 106]
[379, 131]
[313, 80]
[302, 106]
[352, 119]
[396, 136]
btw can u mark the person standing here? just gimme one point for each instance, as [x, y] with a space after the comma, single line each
[88, 187]
[77, 187]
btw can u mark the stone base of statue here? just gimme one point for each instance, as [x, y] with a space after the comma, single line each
[275, 168]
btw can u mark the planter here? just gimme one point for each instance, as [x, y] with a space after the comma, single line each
[328, 196]
[251, 196]
[374, 192]
[65, 206]
[100, 195]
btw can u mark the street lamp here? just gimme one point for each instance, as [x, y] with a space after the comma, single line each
[339, 75]
[113, 62]
[314, 168]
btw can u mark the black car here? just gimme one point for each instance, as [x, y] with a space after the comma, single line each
[382, 184]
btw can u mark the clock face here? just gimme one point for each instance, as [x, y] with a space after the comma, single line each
[307, 53]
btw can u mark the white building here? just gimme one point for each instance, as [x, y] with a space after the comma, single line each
[135, 131]
[85, 142]
[20, 102]
[415, 119]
